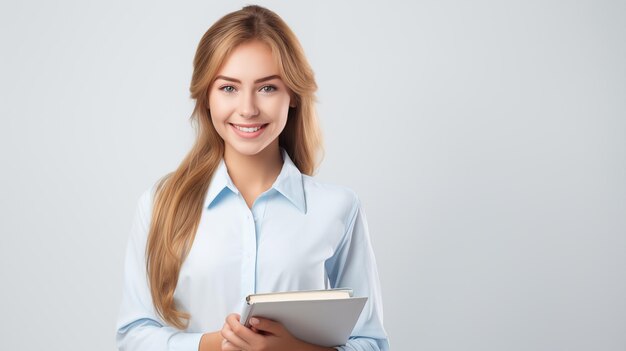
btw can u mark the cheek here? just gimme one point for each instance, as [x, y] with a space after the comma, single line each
[218, 118]
[279, 109]
[219, 111]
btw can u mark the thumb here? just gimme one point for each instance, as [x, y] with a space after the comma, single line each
[267, 325]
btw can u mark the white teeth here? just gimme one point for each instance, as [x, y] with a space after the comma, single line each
[247, 130]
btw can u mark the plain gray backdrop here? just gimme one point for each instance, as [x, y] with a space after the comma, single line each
[486, 139]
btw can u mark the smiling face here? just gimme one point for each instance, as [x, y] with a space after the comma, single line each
[248, 100]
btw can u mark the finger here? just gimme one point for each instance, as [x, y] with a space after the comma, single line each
[267, 325]
[234, 341]
[240, 330]
[230, 336]
[227, 346]
[260, 332]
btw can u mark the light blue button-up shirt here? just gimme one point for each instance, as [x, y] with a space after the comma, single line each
[301, 234]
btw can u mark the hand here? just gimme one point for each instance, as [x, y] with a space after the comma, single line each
[265, 335]
[228, 334]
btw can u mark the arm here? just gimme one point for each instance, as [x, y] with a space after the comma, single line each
[138, 326]
[211, 342]
[353, 265]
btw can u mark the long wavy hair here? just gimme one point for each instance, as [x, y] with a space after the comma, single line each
[180, 194]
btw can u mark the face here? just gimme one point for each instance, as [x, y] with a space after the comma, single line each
[248, 100]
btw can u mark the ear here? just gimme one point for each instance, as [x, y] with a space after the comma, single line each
[292, 99]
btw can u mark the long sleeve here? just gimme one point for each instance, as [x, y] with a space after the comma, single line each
[138, 326]
[353, 265]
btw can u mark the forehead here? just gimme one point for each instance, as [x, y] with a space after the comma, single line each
[249, 61]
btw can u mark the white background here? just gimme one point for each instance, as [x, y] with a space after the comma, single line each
[486, 140]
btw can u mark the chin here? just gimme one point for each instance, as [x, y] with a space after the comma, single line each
[248, 150]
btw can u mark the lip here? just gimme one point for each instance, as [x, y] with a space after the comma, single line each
[249, 135]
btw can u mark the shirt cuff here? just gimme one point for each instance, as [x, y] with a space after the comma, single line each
[185, 341]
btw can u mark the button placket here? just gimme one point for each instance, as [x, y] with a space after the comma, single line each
[248, 277]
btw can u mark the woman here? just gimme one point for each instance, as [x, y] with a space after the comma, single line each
[242, 213]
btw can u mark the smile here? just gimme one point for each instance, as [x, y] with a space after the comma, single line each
[249, 131]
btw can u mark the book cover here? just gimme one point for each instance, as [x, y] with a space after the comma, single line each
[316, 316]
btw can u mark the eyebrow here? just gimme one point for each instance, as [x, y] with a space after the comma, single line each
[256, 81]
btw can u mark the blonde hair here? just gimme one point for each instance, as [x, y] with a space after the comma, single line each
[180, 194]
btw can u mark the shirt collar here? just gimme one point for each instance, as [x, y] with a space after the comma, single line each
[219, 183]
[289, 183]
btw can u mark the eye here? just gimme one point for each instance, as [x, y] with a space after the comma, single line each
[226, 89]
[271, 89]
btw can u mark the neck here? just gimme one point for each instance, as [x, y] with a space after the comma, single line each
[254, 173]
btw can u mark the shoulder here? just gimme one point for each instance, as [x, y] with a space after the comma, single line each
[147, 197]
[330, 196]
[145, 203]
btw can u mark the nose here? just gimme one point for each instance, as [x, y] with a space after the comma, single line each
[247, 106]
